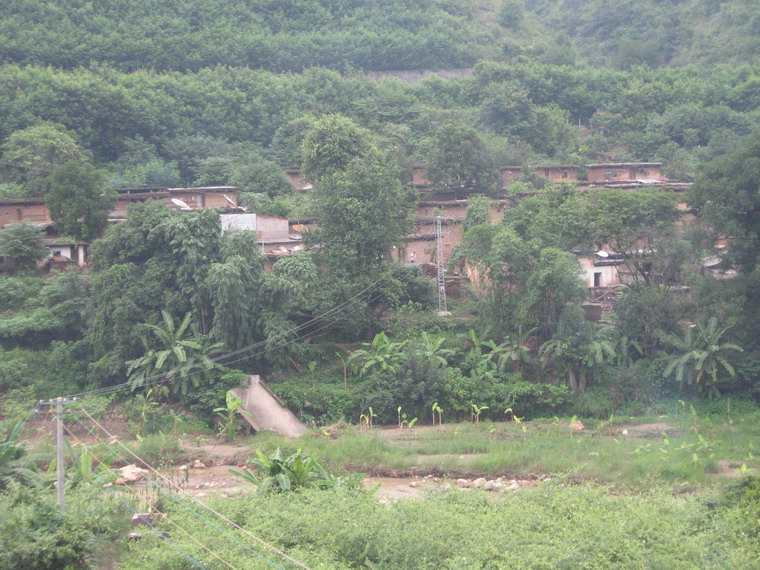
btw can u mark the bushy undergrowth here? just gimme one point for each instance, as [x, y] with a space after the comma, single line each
[573, 527]
[415, 388]
[35, 534]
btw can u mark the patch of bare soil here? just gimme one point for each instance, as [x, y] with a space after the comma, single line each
[463, 459]
[728, 469]
[216, 453]
[650, 430]
[214, 480]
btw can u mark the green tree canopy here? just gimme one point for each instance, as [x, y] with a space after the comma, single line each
[330, 146]
[458, 161]
[78, 200]
[30, 156]
[21, 243]
[726, 195]
[363, 211]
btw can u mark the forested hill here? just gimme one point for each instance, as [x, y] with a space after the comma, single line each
[291, 35]
[277, 35]
[655, 32]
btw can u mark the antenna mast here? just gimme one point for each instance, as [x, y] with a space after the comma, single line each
[441, 271]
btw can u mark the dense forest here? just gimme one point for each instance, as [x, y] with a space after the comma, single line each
[170, 313]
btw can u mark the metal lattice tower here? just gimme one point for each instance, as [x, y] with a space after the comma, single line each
[439, 262]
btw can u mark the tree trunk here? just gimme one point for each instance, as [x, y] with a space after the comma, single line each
[571, 379]
[582, 380]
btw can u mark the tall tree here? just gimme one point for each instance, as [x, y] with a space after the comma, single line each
[29, 156]
[78, 200]
[458, 161]
[363, 210]
[330, 146]
[726, 195]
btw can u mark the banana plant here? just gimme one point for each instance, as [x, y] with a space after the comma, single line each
[229, 415]
[281, 473]
[184, 356]
[701, 356]
[381, 353]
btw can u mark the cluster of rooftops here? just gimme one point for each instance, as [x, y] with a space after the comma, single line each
[276, 233]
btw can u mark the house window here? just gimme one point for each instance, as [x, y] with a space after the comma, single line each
[610, 174]
[564, 174]
[56, 252]
[597, 279]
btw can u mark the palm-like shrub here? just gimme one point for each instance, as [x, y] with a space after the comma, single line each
[381, 353]
[183, 359]
[700, 356]
[579, 353]
[296, 471]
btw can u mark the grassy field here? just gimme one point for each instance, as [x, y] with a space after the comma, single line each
[549, 526]
[640, 451]
[675, 490]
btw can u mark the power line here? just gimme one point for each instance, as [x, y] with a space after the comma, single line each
[183, 504]
[205, 506]
[161, 534]
[256, 345]
[145, 520]
[169, 494]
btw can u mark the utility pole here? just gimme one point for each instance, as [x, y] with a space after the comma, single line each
[441, 280]
[59, 461]
[59, 452]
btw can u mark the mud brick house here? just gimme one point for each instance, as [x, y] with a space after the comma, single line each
[61, 249]
[24, 210]
[624, 171]
[556, 173]
[224, 197]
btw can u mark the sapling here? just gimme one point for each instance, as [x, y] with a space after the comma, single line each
[229, 414]
[345, 370]
[402, 421]
[475, 415]
[312, 366]
[366, 420]
[437, 408]
[511, 414]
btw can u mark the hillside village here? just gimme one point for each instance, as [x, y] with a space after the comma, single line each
[412, 284]
[281, 236]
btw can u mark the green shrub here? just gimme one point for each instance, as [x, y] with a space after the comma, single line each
[596, 402]
[35, 534]
[208, 396]
[321, 404]
[532, 400]
[158, 449]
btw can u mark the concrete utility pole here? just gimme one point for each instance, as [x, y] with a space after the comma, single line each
[59, 452]
[441, 280]
[60, 464]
